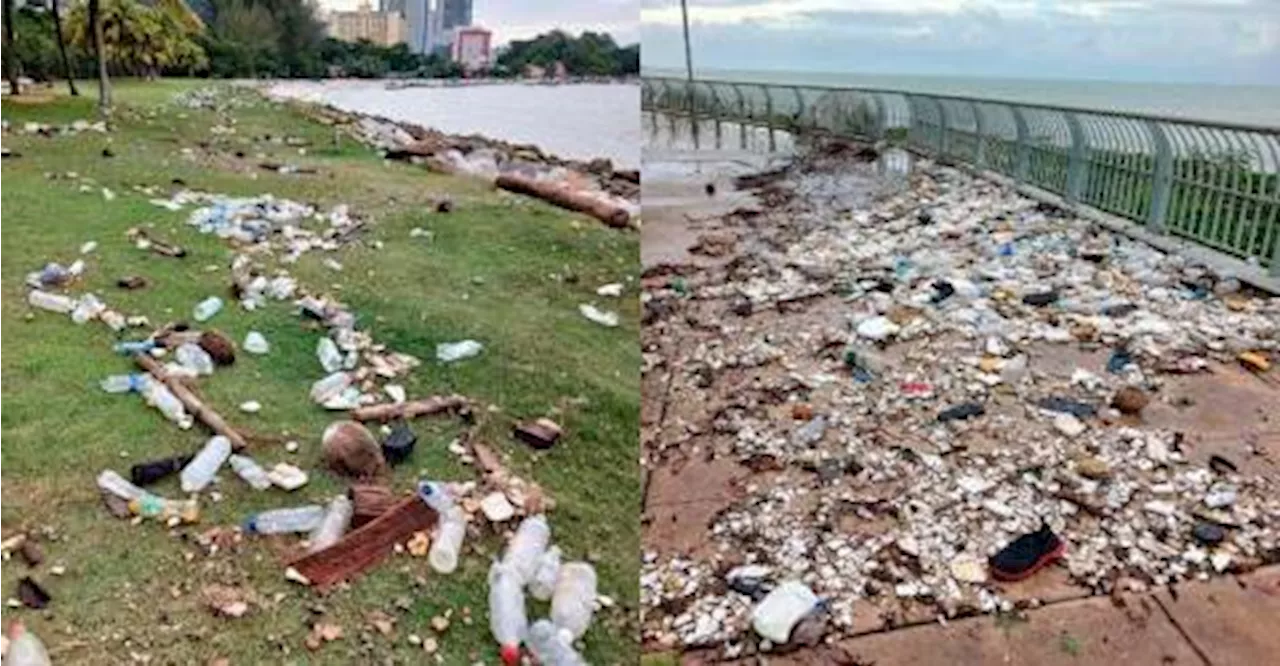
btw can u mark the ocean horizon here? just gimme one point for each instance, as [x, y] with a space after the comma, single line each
[1226, 103]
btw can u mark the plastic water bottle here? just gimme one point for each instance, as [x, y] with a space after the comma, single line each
[279, 521]
[550, 646]
[250, 471]
[130, 347]
[159, 396]
[192, 356]
[443, 556]
[51, 302]
[335, 523]
[88, 308]
[574, 599]
[543, 584]
[122, 383]
[199, 472]
[528, 544]
[436, 496]
[507, 620]
[111, 482]
[207, 308]
[330, 357]
[25, 648]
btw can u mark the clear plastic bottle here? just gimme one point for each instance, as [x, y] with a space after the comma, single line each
[330, 387]
[111, 482]
[122, 383]
[436, 496]
[443, 556]
[250, 471]
[199, 472]
[163, 509]
[25, 648]
[159, 396]
[528, 544]
[278, 521]
[134, 346]
[205, 309]
[543, 584]
[87, 309]
[51, 302]
[574, 599]
[336, 520]
[330, 357]
[549, 645]
[507, 619]
[191, 355]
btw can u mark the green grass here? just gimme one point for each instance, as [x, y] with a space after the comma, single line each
[494, 271]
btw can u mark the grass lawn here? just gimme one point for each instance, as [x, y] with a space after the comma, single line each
[495, 270]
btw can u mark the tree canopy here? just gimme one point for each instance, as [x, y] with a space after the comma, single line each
[143, 39]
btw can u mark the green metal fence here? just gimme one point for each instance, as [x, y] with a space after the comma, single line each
[1214, 183]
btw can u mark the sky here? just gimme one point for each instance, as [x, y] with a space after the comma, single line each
[522, 19]
[1193, 41]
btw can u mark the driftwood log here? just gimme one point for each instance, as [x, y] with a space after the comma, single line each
[564, 197]
[407, 410]
[362, 548]
[204, 413]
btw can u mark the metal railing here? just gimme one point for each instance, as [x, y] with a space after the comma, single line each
[1217, 184]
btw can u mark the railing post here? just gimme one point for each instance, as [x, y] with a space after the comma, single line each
[980, 151]
[1161, 176]
[742, 116]
[1076, 164]
[768, 114]
[879, 127]
[799, 106]
[942, 127]
[1022, 147]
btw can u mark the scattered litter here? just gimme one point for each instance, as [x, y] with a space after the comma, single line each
[1027, 554]
[256, 343]
[287, 476]
[613, 290]
[349, 448]
[782, 609]
[496, 508]
[540, 434]
[31, 594]
[251, 407]
[88, 246]
[598, 316]
[448, 352]
[207, 308]
[398, 445]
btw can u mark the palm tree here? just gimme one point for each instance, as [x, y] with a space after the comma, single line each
[12, 66]
[62, 49]
[104, 85]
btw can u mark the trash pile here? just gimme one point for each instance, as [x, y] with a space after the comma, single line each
[46, 129]
[213, 98]
[893, 377]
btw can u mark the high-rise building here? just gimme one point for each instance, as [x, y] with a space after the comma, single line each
[385, 28]
[416, 16]
[432, 23]
[470, 48]
[390, 6]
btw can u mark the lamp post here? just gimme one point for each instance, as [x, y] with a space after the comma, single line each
[688, 65]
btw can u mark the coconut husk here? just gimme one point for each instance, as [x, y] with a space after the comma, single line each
[350, 449]
[220, 348]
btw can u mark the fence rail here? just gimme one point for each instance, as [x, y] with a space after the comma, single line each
[1217, 184]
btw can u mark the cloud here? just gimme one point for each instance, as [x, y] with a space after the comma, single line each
[1228, 41]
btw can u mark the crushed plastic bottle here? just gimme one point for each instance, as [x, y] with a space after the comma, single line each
[250, 471]
[330, 357]
[199, 472]
[330, 387]
[527, 545]
[25, 648]
[122, 383]
[811, 433]
[255, 343]
[448, 352]
[507, 619]
[130, 347]
[279, 521]
[159, 396]
[207, 308]
[51, 302]
[543, 584]
[87, 309]
[336, 520]
[551, 646]
[574, 599]
[192, 356]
